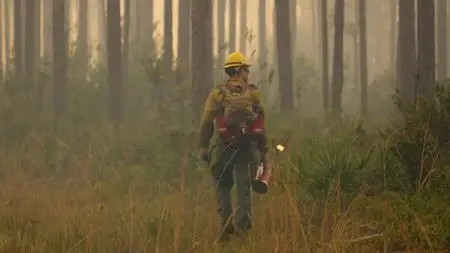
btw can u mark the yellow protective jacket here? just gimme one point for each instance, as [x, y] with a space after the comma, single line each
[212, 108]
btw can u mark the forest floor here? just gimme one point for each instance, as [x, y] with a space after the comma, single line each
[133, 194]
[73, 215]
[78, 215]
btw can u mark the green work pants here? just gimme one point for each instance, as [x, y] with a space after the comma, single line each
[237, 166]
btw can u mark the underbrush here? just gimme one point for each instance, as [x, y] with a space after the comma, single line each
[139, 188]
[88, 186]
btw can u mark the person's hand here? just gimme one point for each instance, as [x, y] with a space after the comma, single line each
[204, 155]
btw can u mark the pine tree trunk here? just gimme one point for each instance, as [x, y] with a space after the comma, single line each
[184, 39]
[448, 39]
[60, 59]
[262, 41]
[284, 53]
[102, 30]
[293, 25]
[442, 46]
[426, 48]
[7, 14]
[38, 66]
[232, 27]
[274, 40]
[325, 55]
[2, 68]
[243, 27]
[356, 56]
[82, 38]
[126, 44]
[37, 31]
[202, 63]
[114, 56]
[18, 41]
[393, 36]
[48, 30]
[363, 56]
[338, 61]
[407, 50]
[30, 46]
[168, 40]
[221, 40]
[315, 9]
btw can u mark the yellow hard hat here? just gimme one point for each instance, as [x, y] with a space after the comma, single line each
[236, 59]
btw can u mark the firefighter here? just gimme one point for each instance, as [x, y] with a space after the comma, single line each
[236, 154]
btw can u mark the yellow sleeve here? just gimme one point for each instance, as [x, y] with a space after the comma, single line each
[258, 97]
[207, 121]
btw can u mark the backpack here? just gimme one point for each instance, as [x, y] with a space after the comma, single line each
[238, 105]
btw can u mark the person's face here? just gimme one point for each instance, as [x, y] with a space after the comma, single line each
[244, 73]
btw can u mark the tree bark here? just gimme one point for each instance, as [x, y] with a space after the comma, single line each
[448, 38]
[315, 9]
[243, 27]
[18, 41]
[114, 56]
[60, 59]
[102, 30]
[232, 27]
[82, 38]
[407, 50]
[442, 47]
[262, 40]
[184, 39]
[221, 43]
[37, 44]
[7, 14]
[202, 60]
[2, 27]
[363, 56]
[325, 55]
[356, 56]
[274, 40]
[426, 48]
[38, 66]
[393, 36]
[293, 25]
[284, 53]
[338, 62]
[30, 46]
[168, 40]
[48, 30]
[126, 43]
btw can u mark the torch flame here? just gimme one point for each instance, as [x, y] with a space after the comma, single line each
[280, 148]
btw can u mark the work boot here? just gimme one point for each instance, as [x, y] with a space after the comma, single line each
[243, 233]
[226, 232]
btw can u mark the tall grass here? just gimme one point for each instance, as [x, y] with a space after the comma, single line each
[136, 191]
[90, 187]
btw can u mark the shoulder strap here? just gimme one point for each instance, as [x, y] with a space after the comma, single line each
[225, 89]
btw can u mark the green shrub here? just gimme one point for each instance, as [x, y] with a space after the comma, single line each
[419, 142]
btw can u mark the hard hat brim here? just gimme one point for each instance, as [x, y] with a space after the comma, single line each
[231, 65]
